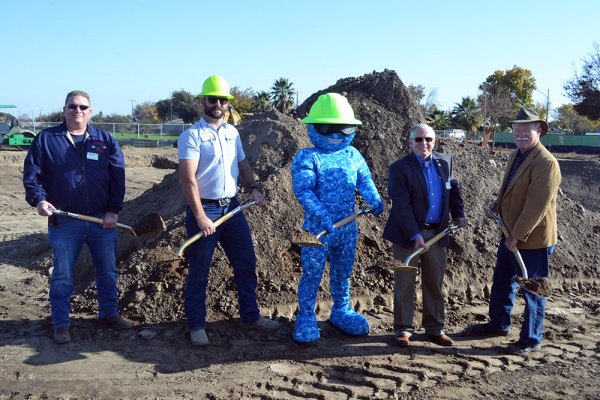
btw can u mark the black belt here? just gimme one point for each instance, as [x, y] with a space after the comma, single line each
[219, 202]
[428, 227]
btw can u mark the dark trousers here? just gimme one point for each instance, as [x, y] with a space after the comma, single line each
[236, 241]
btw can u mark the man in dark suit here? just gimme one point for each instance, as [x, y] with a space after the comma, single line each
[424, 192]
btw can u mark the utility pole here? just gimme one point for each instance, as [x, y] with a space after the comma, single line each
[131, 100]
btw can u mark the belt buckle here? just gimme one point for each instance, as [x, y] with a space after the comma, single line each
[223, 202]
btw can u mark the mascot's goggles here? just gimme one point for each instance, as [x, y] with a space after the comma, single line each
[330, 129]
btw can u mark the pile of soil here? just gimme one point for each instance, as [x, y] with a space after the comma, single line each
[152, 291]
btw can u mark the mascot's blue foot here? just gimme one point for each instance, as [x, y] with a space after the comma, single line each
[349, 321]
[306, 330]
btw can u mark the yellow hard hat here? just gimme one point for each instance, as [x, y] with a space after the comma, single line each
[331, 108]
[217, 86]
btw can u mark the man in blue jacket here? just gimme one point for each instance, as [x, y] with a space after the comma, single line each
[78, 168]
[424, 193]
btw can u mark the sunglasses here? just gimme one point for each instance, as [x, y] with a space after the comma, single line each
[420, 139]
[75, 106]
[330, 129]
[213, 100]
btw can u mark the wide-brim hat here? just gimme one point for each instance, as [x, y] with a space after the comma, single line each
[526, 116]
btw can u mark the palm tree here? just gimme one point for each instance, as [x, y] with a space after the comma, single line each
[262, 101]
[438, 119]
[282, 95]
[467, 115]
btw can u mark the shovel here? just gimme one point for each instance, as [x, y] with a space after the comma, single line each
[179, 256]
[537, 286]
[399, 266]
[151, 223]
[304, 238]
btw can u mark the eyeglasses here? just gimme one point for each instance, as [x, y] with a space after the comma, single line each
[75, 106]
[330, 129]
[213, 100]
[420, 139]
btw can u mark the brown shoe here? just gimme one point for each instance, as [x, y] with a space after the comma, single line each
[402, 341]
[62, 335]
[442, 340]
[116, 322]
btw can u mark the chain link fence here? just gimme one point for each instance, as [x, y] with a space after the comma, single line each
[133, 134]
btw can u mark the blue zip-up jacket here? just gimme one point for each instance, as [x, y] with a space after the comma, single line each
[89, 183]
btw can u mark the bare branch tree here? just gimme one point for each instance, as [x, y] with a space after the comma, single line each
[497, 107]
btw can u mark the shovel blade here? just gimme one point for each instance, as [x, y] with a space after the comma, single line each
[538, 286]
[306, 239]
[151, 223]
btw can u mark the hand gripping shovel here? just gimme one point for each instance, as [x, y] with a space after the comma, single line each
[245, 204]
[179, 256]
[538, 286]
[304, 238]
[399, 266]
[151, 223]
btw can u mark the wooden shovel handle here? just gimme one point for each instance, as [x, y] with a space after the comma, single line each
[91, 219]
[241, 207]
[346, 220]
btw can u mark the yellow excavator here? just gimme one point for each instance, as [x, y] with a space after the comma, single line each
[232, 116]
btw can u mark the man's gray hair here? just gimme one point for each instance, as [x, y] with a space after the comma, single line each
[77, 93]
[425, 127]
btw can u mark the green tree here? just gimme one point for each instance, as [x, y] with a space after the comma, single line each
[567, 119]
[467, 115]
[584, 89]
[243, 100]
[181, 104]
[518, 81]
[145, 112]
[262, 101]
[282, 95]
[438, 119]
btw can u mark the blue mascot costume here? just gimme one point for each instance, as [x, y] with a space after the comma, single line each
[325, 179]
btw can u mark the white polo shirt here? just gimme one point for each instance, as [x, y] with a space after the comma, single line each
[218, 154]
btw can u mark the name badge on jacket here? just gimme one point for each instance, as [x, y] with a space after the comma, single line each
[92, 156]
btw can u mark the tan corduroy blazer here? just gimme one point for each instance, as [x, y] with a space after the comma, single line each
[528, 203]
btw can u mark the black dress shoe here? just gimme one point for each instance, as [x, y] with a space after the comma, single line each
[486, 330]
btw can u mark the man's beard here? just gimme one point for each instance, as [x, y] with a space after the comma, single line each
[213, 112]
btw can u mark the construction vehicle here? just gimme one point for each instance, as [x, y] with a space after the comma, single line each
[11, 134]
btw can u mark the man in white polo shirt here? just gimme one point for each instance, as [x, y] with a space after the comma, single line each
[211, 160]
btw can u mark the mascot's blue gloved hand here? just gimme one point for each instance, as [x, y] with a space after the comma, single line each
[378, 208]
[326, 224]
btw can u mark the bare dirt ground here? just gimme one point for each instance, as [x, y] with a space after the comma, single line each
[156, 359]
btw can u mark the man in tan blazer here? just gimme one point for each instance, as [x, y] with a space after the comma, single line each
[527, 204]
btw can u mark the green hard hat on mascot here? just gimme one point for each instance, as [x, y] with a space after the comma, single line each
[331, 108]
[216, 86]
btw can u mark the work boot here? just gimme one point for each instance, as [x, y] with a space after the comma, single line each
[62, 335]
[263, 323]
[199, 337]
[116, 322]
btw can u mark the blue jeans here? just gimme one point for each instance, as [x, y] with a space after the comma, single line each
[67, 238]
[236, 241]
[504, 290]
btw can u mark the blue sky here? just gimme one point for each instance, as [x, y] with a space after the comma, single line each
[126, 50]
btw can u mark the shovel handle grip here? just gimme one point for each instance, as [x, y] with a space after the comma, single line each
[91, 219]
[218, 222]
[431, 241]
[345, 221]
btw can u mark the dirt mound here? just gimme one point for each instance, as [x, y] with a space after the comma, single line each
[153, 291]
